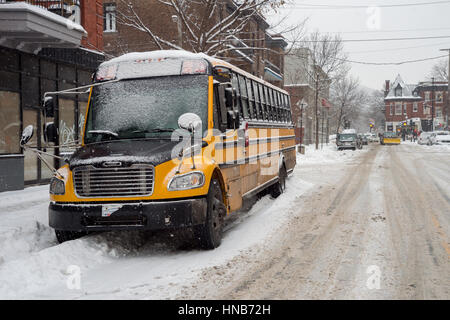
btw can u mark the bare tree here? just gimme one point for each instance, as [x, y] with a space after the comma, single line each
[214, 27]
[347, 98]
[439, 71]
[329, 63]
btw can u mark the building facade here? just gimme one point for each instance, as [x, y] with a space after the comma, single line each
[299, 71]
[41, 50]
[421, 106]
[252, 49]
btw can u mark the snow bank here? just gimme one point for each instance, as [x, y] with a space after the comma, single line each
[328, 154]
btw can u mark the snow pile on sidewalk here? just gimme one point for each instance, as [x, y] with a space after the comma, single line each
[328, 154]
[126, 264]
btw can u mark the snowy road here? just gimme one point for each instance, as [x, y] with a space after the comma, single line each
[344, 214]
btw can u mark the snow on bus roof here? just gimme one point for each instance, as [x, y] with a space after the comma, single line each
[182, 54]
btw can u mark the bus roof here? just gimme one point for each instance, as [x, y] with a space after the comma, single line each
[182, 54]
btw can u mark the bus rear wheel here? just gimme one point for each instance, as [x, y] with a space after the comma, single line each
[209, 234]
[278, 188]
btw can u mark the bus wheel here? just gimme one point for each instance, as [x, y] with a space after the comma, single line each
[278, 188]
[210, 233]
[63, 236]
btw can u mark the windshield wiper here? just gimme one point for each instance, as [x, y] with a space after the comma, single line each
[104, 132]
[155, 130]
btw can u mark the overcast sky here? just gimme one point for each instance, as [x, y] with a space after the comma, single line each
[394, 22]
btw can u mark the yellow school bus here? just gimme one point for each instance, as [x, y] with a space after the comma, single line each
[171, 140]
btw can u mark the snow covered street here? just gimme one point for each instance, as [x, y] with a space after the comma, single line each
[342, 213]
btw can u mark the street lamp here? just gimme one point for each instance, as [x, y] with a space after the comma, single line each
[177, 20]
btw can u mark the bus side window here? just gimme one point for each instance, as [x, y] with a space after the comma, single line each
[277, 106]
[244, 96]
[283, 98]
[266, 97]
[235, 84]
[257, 101]
[288, 103]
[263, 102]
[251, 101]
[216, 119]
[273, 109]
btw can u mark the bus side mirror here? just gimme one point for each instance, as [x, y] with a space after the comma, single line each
[233, 120]
[48, 107]
[190, 122]
[50, 133]
[27, 134]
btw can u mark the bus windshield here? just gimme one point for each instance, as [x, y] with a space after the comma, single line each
[142, 108]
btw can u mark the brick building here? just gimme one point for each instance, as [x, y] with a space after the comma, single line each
[413, 104]
[42, 50]
[299, 82]
[255, 50]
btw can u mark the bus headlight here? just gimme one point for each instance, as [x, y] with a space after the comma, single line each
[186, 181]
[57, 186]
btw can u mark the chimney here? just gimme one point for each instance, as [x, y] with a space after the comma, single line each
[386, 88]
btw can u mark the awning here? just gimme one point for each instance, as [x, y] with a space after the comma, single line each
[29, 28]
[271, 75]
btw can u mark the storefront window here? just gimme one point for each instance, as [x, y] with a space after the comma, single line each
[31, 161]
[9, 122]
[66, 125]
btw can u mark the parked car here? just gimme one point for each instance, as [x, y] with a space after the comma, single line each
[428, 138]
[346, 141]
[373, 138]
[442, 137]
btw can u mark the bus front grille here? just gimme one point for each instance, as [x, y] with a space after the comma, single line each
[136, 180]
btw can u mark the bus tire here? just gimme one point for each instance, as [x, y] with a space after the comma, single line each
[209, 234]
[63, 236]
[278, 188]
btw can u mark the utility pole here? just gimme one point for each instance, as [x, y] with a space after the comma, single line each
[432, 104]
[316, 110]
[447, 106]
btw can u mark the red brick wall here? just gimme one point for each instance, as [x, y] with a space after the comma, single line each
[92, 22]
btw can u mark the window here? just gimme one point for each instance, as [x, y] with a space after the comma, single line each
[262, 95]
[398, 91]
[9, 122]
[257, 101]
[251, 101]
[244, 96]
[415, 107]
[109, 19]
[438, 112]
[405, 108]
[439, 97]
[391, 109]
[398, 108]
[235, 84]
[427, 96]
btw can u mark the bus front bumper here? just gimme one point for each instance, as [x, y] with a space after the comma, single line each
[156, 215]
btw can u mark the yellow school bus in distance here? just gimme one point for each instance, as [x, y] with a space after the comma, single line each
[172, 139]
[391, 138]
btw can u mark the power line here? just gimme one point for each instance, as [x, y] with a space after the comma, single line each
[385, 31]
[390, 63]
[379, 39]
[401, 48]
[330, 6]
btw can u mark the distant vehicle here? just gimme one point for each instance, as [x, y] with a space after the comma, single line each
[442, 137]
[346, 141]
[365, 139]
[390, 138]
[373, 138]
[428, 138]
[349, 131]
